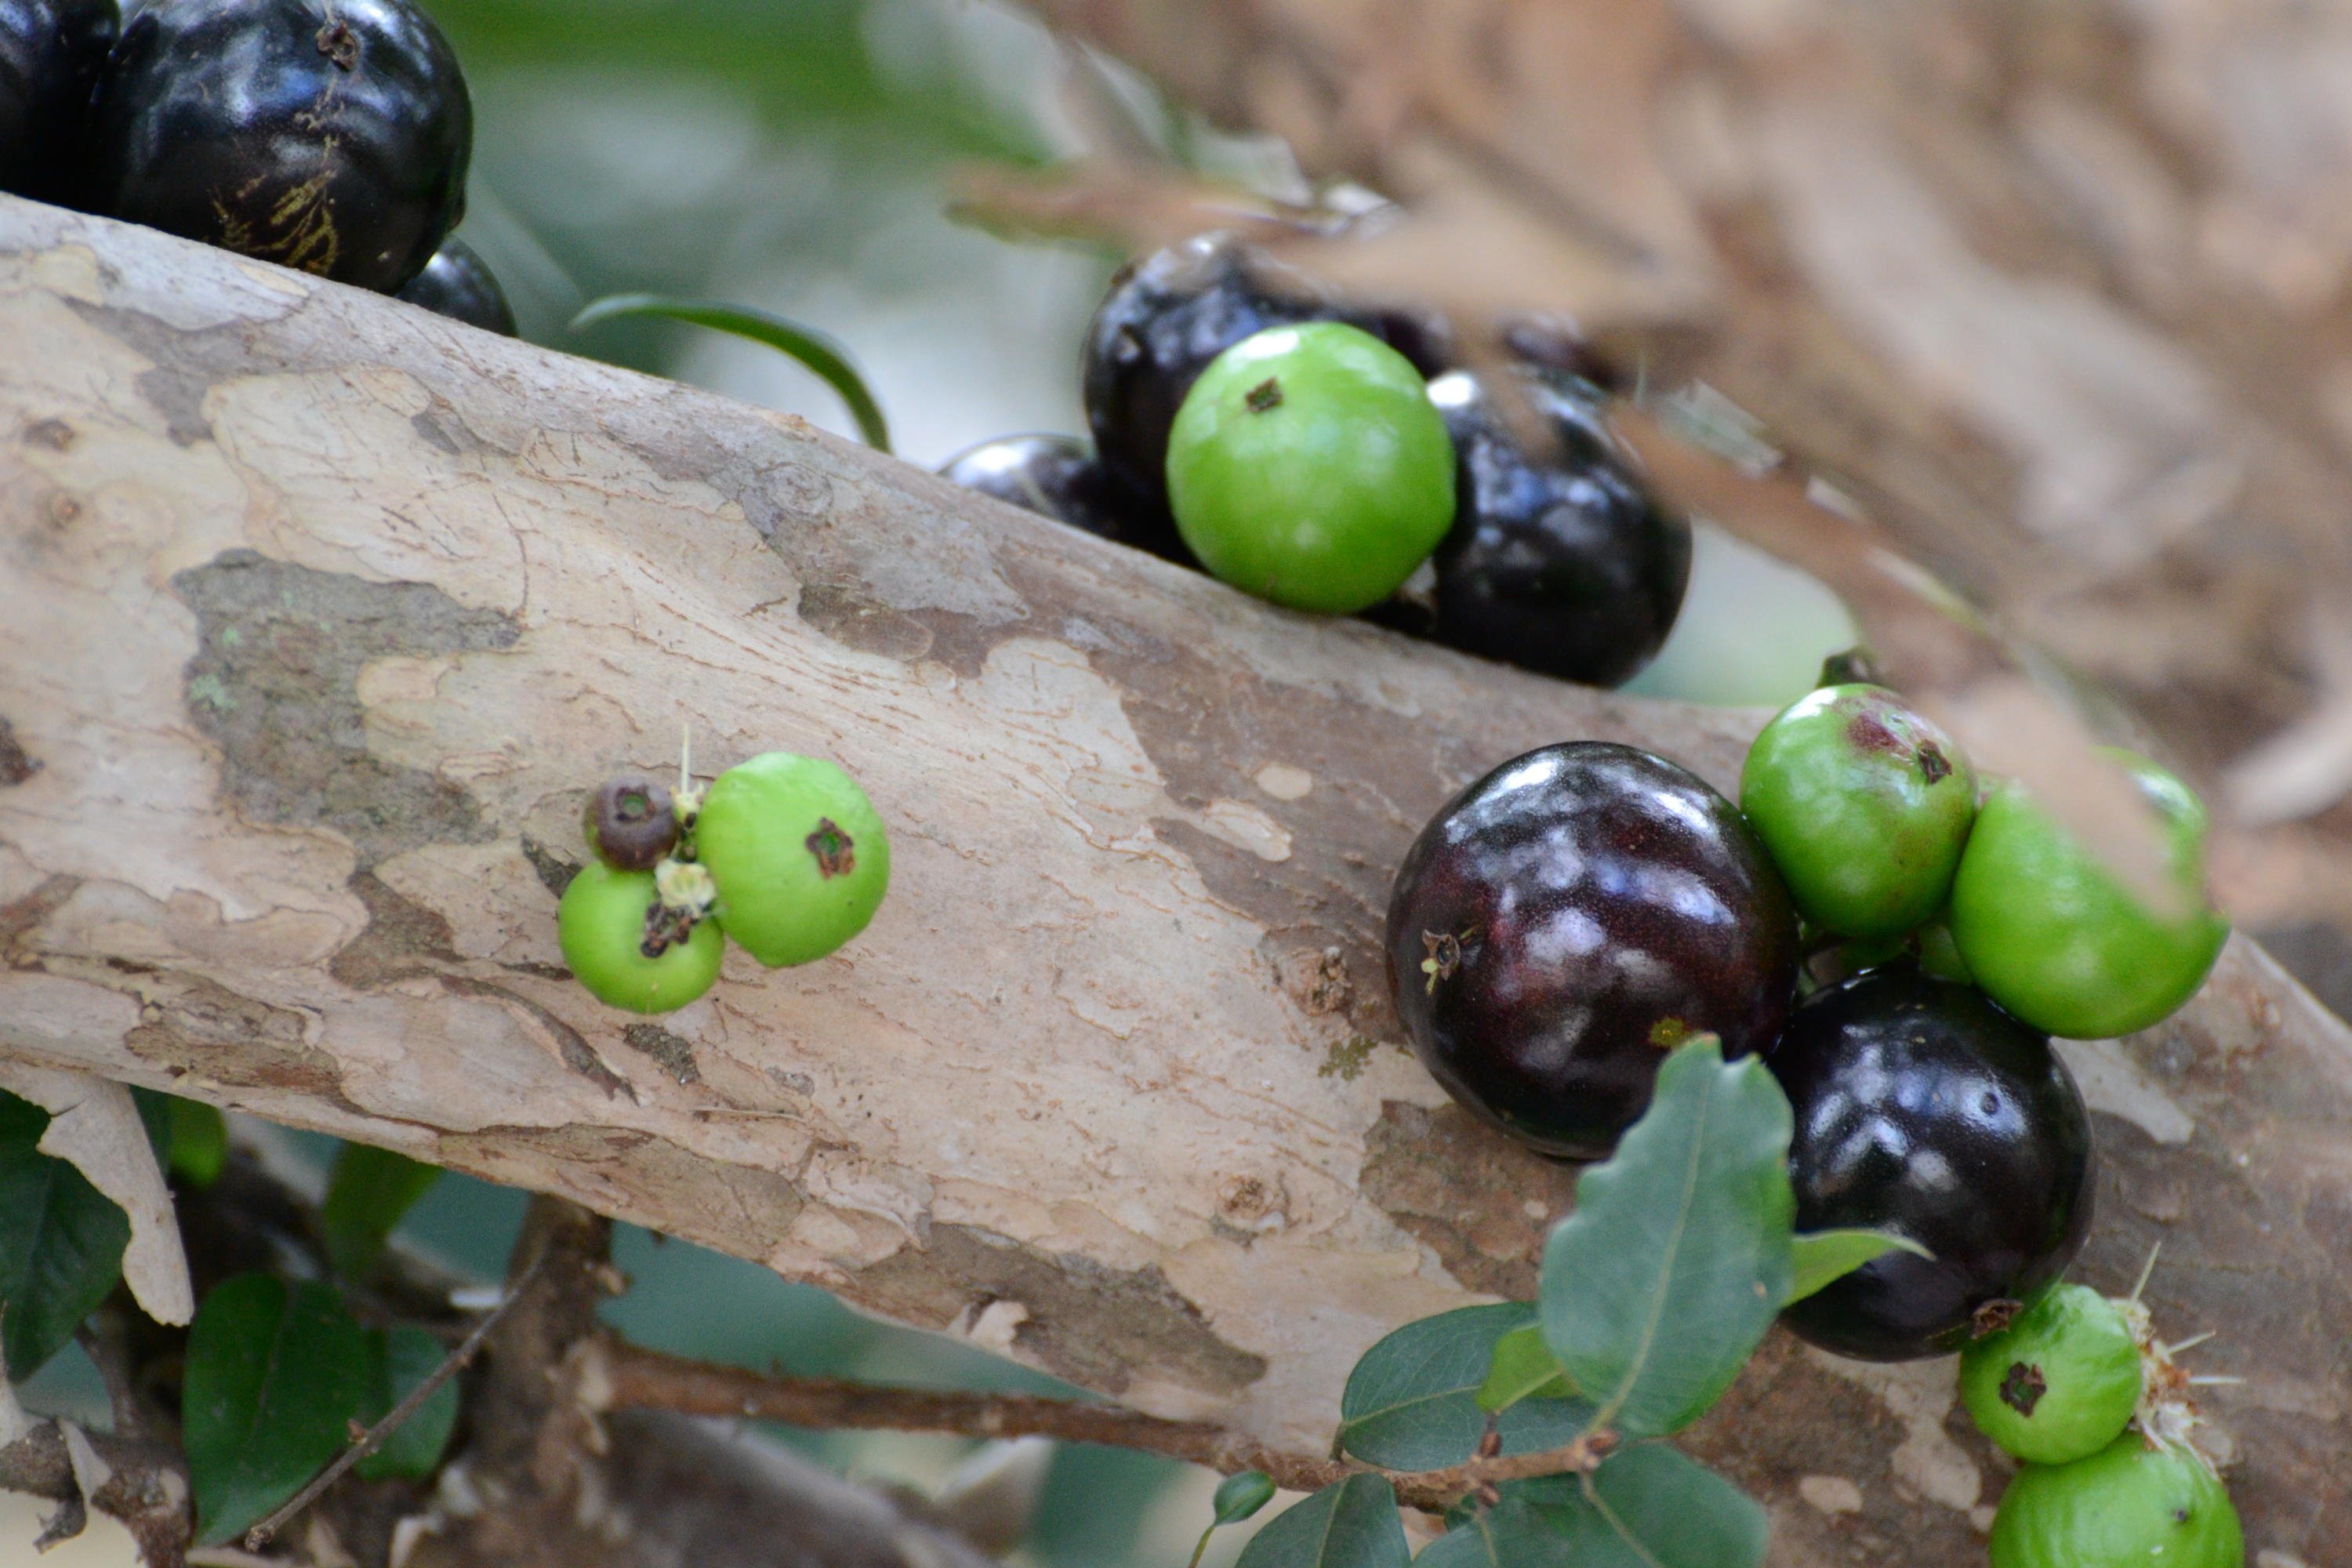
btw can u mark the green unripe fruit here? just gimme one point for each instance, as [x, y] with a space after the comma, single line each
[2127, 1506]
[1864, 804]
[1308, 465]
[2060, 1383]
[798, 855]
[2053, 937]
[601, 924]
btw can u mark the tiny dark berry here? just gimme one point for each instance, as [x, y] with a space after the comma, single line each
[458, 284]
[630, 822]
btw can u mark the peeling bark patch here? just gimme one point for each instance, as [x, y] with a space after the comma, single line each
[20, 918]
[192, 1025]
[17, 765]
[673, 1055]
[55, 434]
[280, 650]
[739, 1208]
[578, 1055]
[1091, 1324]
[1479, 1201]
[555, 873]
[402, 936]
[849, 618]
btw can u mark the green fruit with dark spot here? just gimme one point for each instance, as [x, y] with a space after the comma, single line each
[1865, 805]
[2051, 935]
[2060, 1383]
[1308, 467]
[2127, 1506]
[601, 924]
[798, 854]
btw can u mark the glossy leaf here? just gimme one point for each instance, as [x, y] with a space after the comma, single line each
[1659, 1286]
[1412, 1402]
[276, 1373]
[1523, 1368]
[405, 1357]
[812, 348]
[1649, 1506]
[61, 1242]
[1824, 1257]
[1240, 1497]
[1514, 1533]
[368, 1193]
[1350, 1524]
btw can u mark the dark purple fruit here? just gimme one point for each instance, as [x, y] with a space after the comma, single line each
[460, 284]
[1569, 918]
[1923, 1108]
[50, 55]
[631, 822]
[1169, 313]
[1559, 562]
[1058, 476]
[328, 135]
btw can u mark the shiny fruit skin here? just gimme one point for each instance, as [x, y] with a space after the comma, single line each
[1924, 1109]
[1058, 476]
[52, 52]
[1561, 562]
[798, 854]
[458, 284]
[2060, 1383]
[1169, 313]
[1865, 805]
[1308, 467]
[328, 135]
[1570, 918]
[601, 924]
[2127, 1506]
[2053, 937]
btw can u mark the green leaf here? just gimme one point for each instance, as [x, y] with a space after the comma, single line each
[405, 1357]
[1657, 1289]
[1412, 1402]
[368, 1193]
[1239, 1497]
[61, 1242]
[275, 1375]
[806, 344]
[1523, 1368]
[1649, 1506]
[191, 1137]
[1514, 1533]
[1350, 1524]
[1823, 1257]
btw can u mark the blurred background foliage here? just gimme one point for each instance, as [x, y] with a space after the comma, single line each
[794, 155]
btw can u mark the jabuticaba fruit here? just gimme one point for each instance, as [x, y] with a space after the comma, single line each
[327, 135]
[52, 52]
[460, 284]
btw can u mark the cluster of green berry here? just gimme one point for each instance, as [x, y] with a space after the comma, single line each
[2081, 1389]
[328, 135]
[782, 853]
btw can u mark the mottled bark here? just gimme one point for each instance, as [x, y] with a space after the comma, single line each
[323, 615]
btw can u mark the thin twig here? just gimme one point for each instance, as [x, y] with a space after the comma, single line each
[649, 1380]
[258, 1536]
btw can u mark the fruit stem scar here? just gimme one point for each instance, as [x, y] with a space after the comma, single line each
[1264, 397]
[1995, 1316]
[837, 854]
[1444, 951]
[339, 44]
[2023, 1387]
[1934, 766]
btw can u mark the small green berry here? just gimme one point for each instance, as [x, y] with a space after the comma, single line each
[603, 927]
[1308, 465]
[2058, 1384]
[797, 853]
[2130, 1505]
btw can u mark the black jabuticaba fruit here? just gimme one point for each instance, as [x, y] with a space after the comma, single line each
[328, 135]
[1570, 918]
[52, 52]
[1168, 314]
[1923, 1108]
[1560, 562]
[458, 284]
[1059, 476]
